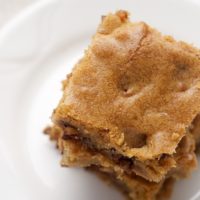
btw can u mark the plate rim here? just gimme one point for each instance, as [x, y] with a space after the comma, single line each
[32, 9]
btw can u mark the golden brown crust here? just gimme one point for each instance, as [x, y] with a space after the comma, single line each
[132, 76]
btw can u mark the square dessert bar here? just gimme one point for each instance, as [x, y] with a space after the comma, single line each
[130, 108]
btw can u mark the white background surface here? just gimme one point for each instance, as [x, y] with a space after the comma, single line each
[36, 51]
[9, 9]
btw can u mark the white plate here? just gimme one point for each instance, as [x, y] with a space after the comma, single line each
[37, 50]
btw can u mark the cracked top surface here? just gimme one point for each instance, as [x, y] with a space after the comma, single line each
[135, 90]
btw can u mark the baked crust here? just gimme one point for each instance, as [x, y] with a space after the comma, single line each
[131, 107]
[133, 82]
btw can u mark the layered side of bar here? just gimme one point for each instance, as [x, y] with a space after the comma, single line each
[76, 153]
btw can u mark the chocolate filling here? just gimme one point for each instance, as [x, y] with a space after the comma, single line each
[131, 166]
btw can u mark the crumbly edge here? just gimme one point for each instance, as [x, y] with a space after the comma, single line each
[163, 193]
[151, 170]
[75, 154]
[75, 158]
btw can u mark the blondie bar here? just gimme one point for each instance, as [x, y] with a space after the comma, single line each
[130, 108]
